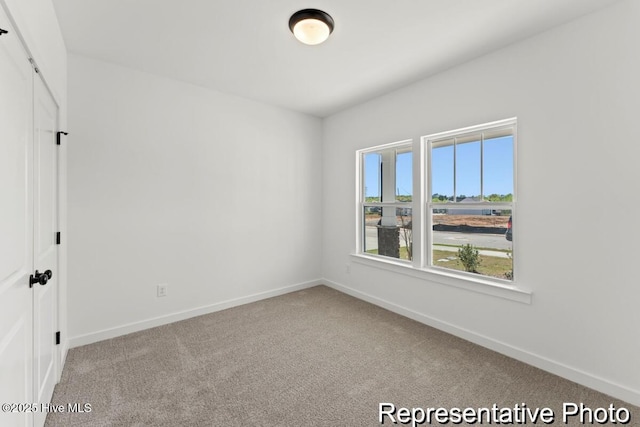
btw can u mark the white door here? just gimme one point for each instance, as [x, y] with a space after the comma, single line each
[45, 208]
[16, 227]
[28, 225]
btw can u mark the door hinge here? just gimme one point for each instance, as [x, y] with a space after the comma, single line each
[58, 136]
[58, 338]
[58, 238]
[34, 65]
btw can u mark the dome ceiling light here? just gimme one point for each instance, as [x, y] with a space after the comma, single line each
[311, 26]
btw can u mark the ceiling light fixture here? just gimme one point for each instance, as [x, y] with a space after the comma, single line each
[311, 26]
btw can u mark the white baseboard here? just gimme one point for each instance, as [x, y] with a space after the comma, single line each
[117, 331]
[584, 378]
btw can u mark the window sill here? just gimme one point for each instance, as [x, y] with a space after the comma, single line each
[473, 284]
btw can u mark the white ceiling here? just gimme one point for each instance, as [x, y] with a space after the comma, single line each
[244, 47]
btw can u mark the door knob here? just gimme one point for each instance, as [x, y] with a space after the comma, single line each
[41, 278]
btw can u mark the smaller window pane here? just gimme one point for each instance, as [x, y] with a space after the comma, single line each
[372, 217]
[442, 173]
[404, 177]
[498, 169]
[388, 232]
[475, 240]
[405, 230]
[372, 181]
[468, 170]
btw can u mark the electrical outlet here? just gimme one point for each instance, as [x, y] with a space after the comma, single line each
[162, 290]
[347, 268]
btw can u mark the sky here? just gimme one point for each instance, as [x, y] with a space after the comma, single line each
[498, 169]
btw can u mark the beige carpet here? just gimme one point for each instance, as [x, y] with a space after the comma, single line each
[311, 358]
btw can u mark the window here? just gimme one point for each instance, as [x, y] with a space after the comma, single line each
[470, 197]
[463, 208]
[386, 200]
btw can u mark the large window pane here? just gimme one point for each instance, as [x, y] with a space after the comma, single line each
[471, 234]
[498, 169]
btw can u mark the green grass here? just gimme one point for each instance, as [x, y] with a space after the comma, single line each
[403, 252]
[489, 265]
[480, 248]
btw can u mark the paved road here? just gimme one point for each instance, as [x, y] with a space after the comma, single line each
[441, 238]
[481, 251]
[476, 239]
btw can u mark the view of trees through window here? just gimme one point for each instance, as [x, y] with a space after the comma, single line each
[472, 186]
[469, 190]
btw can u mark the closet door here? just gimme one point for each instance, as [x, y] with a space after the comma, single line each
[16, 227]
[45, 208]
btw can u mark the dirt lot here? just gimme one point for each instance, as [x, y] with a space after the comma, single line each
[458, 220]
[472, 220]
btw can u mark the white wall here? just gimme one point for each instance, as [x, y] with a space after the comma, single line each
[214, 195]
[575, 92]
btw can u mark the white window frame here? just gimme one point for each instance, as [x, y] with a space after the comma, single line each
[387, 190]
[506, 127]
[421, 266]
